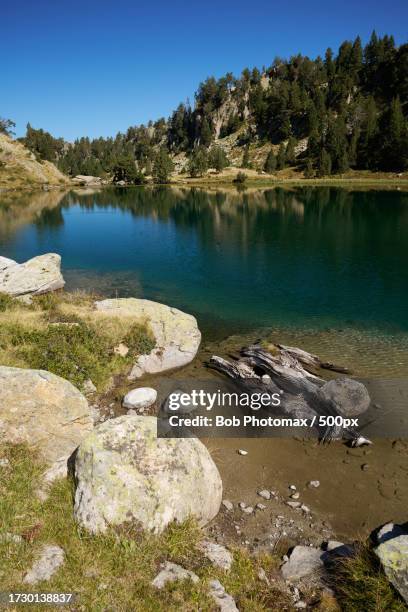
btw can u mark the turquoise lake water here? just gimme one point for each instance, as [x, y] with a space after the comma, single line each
[307, 257]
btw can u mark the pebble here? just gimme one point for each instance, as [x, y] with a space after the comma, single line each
[300, 605]
[292, 487]
[305, 508]
[365, 467]
[242, 452]
[293, 504]
[248, 510]
[265, 494]
[227, 504]
[314, 484]
[260, 506]
[242, 505]
[4, 462]
[295, 495]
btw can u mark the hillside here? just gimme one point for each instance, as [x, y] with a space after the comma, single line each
[320, 117]
[19, 167]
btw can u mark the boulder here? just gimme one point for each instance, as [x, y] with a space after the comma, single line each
[350, 396]
[393, 555]
[87, 179]
[125, 473]
[176, 333]
[38, 275]
[44, 411]
[303, 561]
[140, 398]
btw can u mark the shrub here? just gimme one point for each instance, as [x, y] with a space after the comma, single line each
[240, 178]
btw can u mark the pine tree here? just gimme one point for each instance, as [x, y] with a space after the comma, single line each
[163, 167]
[309, 172]
[281, 158]
[125, 170]
[290, 151]
[6, 126]
[217, 159]
[270, 163]
[245, 158]
[206, 134]
[198, 163]
[325, 163]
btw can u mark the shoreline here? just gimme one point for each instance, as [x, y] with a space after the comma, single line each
[211, 183]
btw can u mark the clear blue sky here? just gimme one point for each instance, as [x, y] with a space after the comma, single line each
[94, 67]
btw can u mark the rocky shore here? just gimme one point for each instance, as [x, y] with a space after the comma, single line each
[127, 478]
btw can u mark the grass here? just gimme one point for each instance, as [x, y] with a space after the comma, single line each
[62, 333]
[360, 584]
[114, 571]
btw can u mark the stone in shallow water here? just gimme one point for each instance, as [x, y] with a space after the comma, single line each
[143, 397]
[38, 275]
[126, 474]
[50, 559]
[350, 397]
[176, 333]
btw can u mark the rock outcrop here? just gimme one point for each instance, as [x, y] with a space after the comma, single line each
[176, 333]
[45, 412]
[125, 473]
[20, 168]
[37, 275]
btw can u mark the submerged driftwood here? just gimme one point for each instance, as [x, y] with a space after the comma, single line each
[293, 372]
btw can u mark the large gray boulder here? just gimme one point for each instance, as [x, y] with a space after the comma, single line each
[38, 275]
[350, 396]
[393, 555]
[176, 333]
[124, 473]
[45, 412]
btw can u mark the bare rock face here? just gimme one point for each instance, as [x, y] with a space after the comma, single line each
[177, 334]
[125, 473]
[350, 396]
[38, 275]
[44, 411]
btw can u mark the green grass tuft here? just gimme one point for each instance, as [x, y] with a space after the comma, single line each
[361, 584]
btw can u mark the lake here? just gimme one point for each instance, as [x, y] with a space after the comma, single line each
[296, 258]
